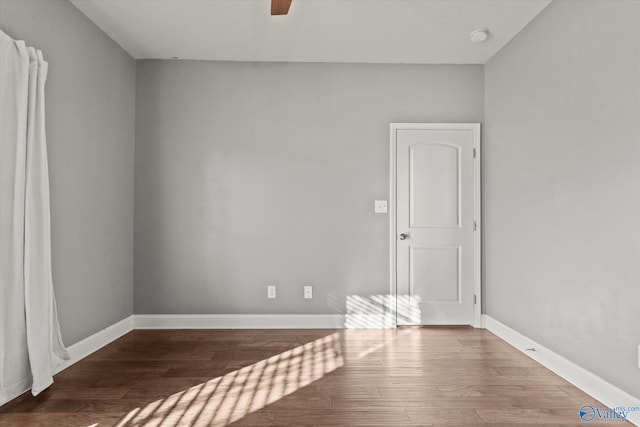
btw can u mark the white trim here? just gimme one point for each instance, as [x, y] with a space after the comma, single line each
[15, 390]
[477, 166]
[77, 352]
[95, 342]
[239, 321]
[587, 381]
[393, 230]
[477, 235]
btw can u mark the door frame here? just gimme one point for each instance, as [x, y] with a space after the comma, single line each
[477, 211]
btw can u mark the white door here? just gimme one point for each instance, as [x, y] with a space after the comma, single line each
[436, 216]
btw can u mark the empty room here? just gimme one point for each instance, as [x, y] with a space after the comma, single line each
[233, 213]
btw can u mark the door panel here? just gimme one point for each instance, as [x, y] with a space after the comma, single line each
[434, 209]
[433, 185]
[434, 274]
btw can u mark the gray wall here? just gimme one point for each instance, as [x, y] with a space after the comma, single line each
[562, 185]
[90, 100]
[250, 174]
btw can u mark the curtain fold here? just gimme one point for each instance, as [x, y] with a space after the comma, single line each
[30, 340]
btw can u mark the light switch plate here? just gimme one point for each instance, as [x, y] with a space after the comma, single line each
[271, 291]
[380, 206]
[308, 292]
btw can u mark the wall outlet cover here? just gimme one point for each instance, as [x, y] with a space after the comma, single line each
[380, 206]
[308, 292]
[271, 291]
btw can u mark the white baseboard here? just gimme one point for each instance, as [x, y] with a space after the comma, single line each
[15, 390]
[239, 321]
[593, 385]
[95, 342]
[77, 352]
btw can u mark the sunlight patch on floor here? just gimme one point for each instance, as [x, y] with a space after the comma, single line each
[226, 399]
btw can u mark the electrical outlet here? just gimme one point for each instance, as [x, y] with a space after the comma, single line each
[308, 292]
[271, 291]
[380, 206]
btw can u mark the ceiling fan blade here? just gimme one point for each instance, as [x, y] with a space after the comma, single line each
[280, 7]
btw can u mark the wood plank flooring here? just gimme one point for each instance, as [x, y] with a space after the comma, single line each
[405, 377]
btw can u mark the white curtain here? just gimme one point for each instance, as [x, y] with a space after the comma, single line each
[30, 341]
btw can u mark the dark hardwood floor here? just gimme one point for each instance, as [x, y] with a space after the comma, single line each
[405, 377]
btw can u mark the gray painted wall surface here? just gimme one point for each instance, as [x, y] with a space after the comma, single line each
[562, 185]
[90, 100]
[250, 174]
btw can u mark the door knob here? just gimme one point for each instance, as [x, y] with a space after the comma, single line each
[403, 236]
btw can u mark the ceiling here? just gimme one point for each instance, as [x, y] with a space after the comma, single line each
[360, 31]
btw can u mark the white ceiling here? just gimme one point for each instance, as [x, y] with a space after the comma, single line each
[369, 31]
